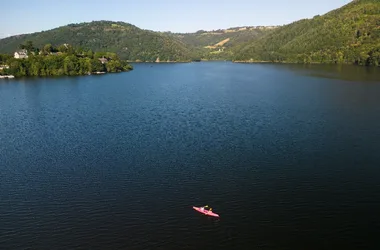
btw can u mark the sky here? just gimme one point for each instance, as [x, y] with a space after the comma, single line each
[21, 16]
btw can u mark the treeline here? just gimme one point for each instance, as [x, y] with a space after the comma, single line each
[62, 60]
[350, 34]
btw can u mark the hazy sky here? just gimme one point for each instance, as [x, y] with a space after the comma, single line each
[23, 16]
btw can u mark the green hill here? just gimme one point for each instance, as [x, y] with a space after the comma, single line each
[135, 44]
[350, 34]
[217, 44]
[128, 41]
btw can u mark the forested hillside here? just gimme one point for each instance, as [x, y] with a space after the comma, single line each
[127, 40]
[350, 34]
[217, 44]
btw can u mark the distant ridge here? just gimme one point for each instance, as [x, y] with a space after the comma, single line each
[350, 34]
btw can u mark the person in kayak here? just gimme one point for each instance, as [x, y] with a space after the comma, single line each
[203, 208]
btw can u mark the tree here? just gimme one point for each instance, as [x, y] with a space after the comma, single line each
[4, 58]
[114, 66]
[16, 68]
[97, 66]
[35, 68]
[62, 48]
[126, 66]
[79, 51]
[47, 49]
[85, 66]
[71, 65]
[66, 48]
[90, 54]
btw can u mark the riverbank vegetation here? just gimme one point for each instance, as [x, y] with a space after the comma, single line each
[62, 60]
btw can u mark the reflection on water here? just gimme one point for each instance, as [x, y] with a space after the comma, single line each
[343, 72]
[287, 154]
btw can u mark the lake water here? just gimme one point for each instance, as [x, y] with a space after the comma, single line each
[288, 155]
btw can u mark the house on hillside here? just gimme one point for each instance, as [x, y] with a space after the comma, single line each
[21, 54]
[103, 60]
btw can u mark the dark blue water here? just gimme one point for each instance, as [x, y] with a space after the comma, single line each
[288, 155]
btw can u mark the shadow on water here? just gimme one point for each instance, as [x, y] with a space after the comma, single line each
[352, 73]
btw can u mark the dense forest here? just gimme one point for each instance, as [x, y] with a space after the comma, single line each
[350, 34]
[128, 41]
[135, 44]
[62, 60]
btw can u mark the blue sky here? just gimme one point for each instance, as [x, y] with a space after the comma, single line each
[22, 16]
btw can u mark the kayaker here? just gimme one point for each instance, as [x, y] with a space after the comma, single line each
[203, 208]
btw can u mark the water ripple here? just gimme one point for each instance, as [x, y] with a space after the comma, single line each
[117, 162]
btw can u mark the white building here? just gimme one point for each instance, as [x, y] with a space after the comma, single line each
[21, 54]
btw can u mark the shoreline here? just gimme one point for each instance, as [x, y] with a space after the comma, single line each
[7, 76]
[159, 62]
[303, 63]
[58, 76]
[175, 62]
[253, 61]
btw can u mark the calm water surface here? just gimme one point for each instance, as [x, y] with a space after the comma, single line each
[288, 155]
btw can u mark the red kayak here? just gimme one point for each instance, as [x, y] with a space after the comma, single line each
[206, 212]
